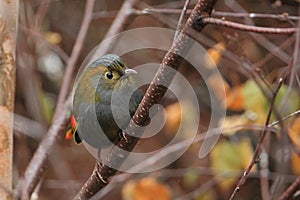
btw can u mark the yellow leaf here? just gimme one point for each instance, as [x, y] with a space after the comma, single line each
[146, 189]
[191, 178]
[53, 37]
[229, 159]
[215, 54]
[255, 102]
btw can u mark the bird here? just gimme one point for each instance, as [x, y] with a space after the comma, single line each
[105, 97]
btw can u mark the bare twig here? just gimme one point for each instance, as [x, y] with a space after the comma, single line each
[291, 190]
[153, 95]
[269, 56]
[294, 66]
[180, 21]
[123, 19]
[183, 144]
[88, 14]
[53, 47]
[37, 165]
[264, 172]
[283, 16]
[259, 145]
[255, 29]
[104, 14]
[260, 39]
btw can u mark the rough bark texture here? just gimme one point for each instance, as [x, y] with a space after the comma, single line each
[8, 22]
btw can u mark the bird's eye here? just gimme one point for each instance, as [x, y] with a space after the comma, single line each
[109, 75]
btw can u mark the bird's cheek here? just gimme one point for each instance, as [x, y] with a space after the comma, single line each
[95, 81]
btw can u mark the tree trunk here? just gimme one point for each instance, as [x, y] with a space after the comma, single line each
[8, 32]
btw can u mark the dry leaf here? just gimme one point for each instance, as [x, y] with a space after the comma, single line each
[235, 99]
[215, 54]
[295, 159]
[146, 189]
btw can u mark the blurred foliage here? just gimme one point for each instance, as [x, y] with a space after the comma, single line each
[146, 189]
[47, 32]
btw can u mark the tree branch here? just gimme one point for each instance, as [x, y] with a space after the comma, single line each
[243, 27]
[257, 151]
[154, 93]
[88, 16]
[291, 190]
[8, 33]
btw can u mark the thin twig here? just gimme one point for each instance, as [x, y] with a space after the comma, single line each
[283, 16]
[37, 165]
[183, 144]
[291, 190]
[259, 145]
[87, 18]
[53, 47]
[243, 27]
[287, 43]
[294, 67]
[124, 17]
[264, 171]
[180, 21]
[104, 14]
[260, 39]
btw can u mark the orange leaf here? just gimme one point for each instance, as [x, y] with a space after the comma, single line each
[174, 117]
[235, 99]
[294, 131]
[215, 54]
[295, 163]
[146, 189]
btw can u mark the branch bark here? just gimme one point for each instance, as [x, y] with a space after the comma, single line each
[8, 32]
[255, 29]
[155, 92]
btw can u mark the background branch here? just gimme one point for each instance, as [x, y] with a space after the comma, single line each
[46, 51]
[36, 167]
[255, 29]
[8, 33]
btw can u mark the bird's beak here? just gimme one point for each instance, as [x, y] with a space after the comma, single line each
[129, 72]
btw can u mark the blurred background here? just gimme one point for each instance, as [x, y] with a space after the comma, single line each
[250, 64]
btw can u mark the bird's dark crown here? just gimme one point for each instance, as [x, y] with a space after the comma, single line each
[112, 62]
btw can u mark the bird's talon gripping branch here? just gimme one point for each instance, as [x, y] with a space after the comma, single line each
[123, 135]
[102, 179]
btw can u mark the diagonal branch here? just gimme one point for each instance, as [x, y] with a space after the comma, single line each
[154, 94]
[36, 167]
[257, 151]
[291, 190]
[88, 16]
